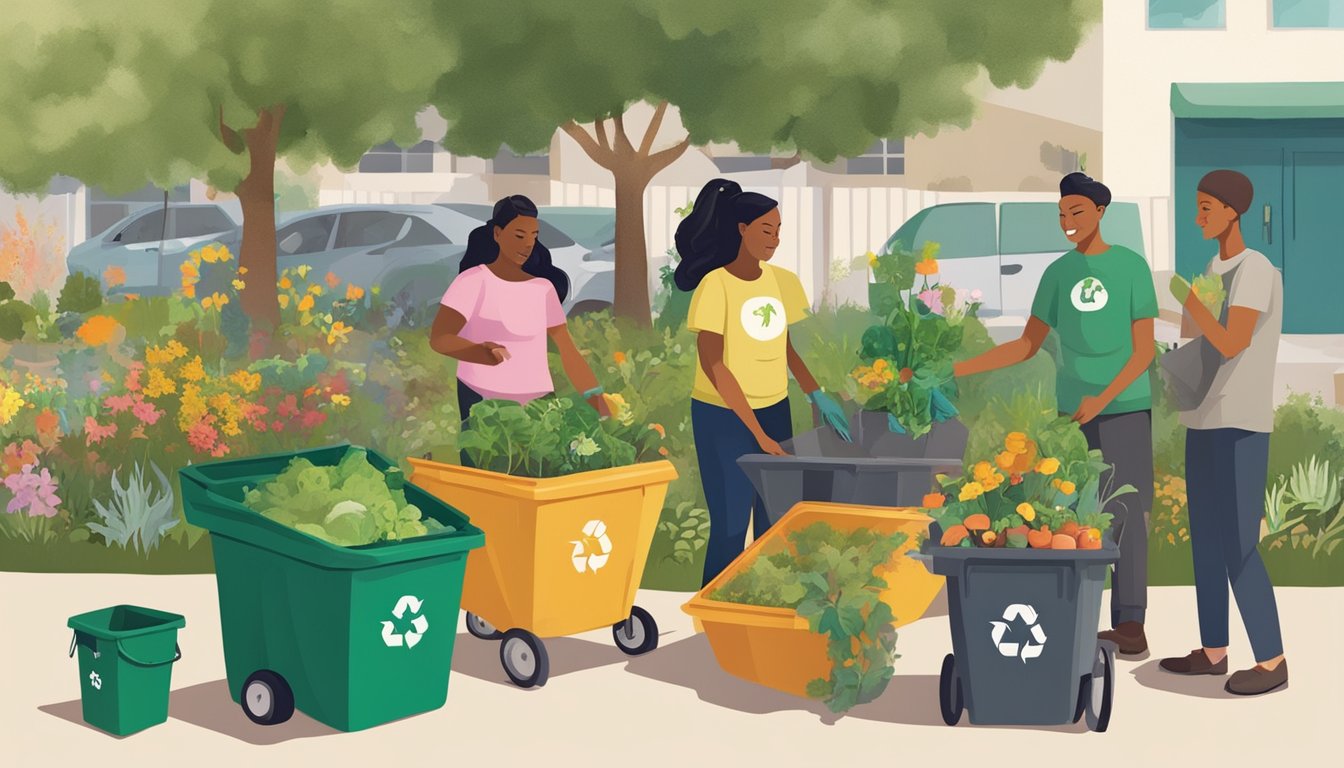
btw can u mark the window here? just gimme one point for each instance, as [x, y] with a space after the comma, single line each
[1032, 228]
[146, 229]
[363, 229]
[962, 230]
[423, 233]
[884, 157]
[314, 233]
[1186, 14]
[390, 158]
[1308, 14]
[199, 222]
[743, 163]
[105, 210]
[536, 164]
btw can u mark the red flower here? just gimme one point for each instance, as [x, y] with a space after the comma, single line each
[1015, 479]
[288, 408]
[278, 426]
[312, 419]
[906, 375]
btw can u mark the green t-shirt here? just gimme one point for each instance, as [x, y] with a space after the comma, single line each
[1092, 302]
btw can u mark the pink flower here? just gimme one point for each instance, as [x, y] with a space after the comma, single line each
[133, 377]
[34, 492]
[933, 299]
[146, 412]
[118, 403]
[96, 433]
[977, 295]
[95, 384]
[203, 437]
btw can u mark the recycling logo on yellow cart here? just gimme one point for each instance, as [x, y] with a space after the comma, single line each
[593, 550]
[1034, 646]
[408, 604]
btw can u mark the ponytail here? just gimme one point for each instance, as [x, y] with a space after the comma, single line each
[708, 238]
[482, 248]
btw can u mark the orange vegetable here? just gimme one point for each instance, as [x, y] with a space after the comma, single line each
[1062, 541]
[977, 522]
[1070, 529]
[1039, 539]
[954, 535]
[1089, 538]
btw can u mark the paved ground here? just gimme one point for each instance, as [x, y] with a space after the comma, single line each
[672, 707]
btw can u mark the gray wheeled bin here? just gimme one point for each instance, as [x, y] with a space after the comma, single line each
[880, 468]
[1024, 635]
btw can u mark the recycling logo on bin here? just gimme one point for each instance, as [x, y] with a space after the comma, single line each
[594, 549]
[1035, 644]
[419, 624]
[95, 681]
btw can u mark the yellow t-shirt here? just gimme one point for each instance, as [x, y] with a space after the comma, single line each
[753, 317]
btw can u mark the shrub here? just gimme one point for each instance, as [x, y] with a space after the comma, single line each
[136, 516]
[81, 293]
[14, 315]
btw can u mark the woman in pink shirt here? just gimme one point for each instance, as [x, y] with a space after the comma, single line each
[500, 310]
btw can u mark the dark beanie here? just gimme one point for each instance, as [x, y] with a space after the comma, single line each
[1230, 188]
[1082, 184]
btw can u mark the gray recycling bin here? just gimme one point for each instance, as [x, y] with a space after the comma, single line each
[880, 468]
[1024, 635]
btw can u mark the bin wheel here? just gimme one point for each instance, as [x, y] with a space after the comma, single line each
[1084, 693]
[524, 658]
[637, 634]
[1101, 687]
[267, 698]
[950, 699]
[481, 628]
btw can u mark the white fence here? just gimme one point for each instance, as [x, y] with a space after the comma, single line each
[823, 226]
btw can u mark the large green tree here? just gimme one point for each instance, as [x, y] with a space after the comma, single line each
[820, 79]
[159, 91]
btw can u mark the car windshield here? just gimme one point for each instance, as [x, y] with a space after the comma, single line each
[146, 229]
[199, 222]
[314, 233]
[362, 229]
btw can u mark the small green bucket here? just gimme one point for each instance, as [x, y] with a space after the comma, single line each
[126, 656]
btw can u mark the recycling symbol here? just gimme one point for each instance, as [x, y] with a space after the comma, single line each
[1028, 650]
[594, 549]
[95, 681]
[419, 624]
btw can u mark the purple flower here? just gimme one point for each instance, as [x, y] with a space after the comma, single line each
[33, 492]
[933, 299]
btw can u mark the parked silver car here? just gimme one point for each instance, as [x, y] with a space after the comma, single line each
[133, 246]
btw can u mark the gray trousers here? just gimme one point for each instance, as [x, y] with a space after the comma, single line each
[1126, 442]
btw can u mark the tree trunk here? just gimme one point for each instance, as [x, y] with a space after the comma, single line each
[256, 193]
[632, 258]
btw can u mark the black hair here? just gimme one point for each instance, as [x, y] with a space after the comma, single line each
[1082, 184]
[482, 248]
[708, 238]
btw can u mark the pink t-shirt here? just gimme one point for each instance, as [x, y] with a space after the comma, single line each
[515, 316]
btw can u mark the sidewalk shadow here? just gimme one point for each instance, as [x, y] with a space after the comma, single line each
[209, 706]
[690, 663]
[480, 658]
[1152, 676]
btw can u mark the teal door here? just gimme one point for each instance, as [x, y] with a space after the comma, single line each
[1296, 168]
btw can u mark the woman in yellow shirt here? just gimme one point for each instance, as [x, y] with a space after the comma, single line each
[741, 312]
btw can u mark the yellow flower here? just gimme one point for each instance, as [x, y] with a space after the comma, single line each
[930, 250]
[338, 333]
[341, 400]
[285, 283]
[1048, 466]
[189, 291]
[1005, 460]
[1026, 511]
[242, 271]
[1067, 487]
[10, 404]
[1016, 442]
[303, 270]
[176, 349]
[992, 482]
[193, 370]
[159, 384]
[284, 300]
[880, 365]
[353, 292]
[246, 381]
[315, 289]
[97, 330]
[971, 492]
[239, 285]
[189, 270]
[872, 259]
[306, 303]
[209, 255]
[983, 470]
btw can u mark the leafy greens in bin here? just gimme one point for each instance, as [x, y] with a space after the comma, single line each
[827, 576]
[350, 504]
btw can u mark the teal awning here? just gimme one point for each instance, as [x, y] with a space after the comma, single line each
[1257, 100]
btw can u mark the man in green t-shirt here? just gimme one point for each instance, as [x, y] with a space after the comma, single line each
[1100, 299]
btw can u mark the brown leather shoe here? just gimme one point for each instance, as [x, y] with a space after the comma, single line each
[1197, 663]
[1258, 680]
[1128, 637]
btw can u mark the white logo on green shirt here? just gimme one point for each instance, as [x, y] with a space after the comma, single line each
[1089, 295]
[763, 318]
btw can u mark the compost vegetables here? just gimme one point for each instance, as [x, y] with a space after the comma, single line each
[829, 577]
[350, 504]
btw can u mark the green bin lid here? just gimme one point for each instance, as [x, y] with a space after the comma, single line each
[119, 622]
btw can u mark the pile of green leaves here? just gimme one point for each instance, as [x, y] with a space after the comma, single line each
[827, 576]
[350, 504]
[1210, 291]
[548, 437]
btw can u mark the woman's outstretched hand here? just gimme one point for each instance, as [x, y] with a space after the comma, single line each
[768, 445]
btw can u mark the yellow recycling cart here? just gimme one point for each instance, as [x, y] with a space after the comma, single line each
[562, 555]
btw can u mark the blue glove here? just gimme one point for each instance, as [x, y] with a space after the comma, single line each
[894, 425]
[833, 414]
[941, 408]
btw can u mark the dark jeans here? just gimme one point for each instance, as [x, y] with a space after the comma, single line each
[1126, 442]
[720, 440]
[466, 398]
[1225, 486]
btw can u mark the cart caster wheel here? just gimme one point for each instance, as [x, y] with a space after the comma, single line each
[637, 634]
[267, 698]
[524, 658]
[950, 698]
[481, 628]
[1101, 687]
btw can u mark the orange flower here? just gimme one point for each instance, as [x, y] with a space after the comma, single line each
[934, 501]
[306, 303]
[662, 451]
[333, 280]
[926, 267]
[353, 292]
[114, 276]
[619, 357]
[97, 330]
[47, 422]
[285, 283]
[662, 433]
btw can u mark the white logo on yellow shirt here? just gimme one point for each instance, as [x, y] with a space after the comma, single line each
[763, 318]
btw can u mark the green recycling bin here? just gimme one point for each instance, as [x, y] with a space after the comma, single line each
[352, 636]
[126, 656]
